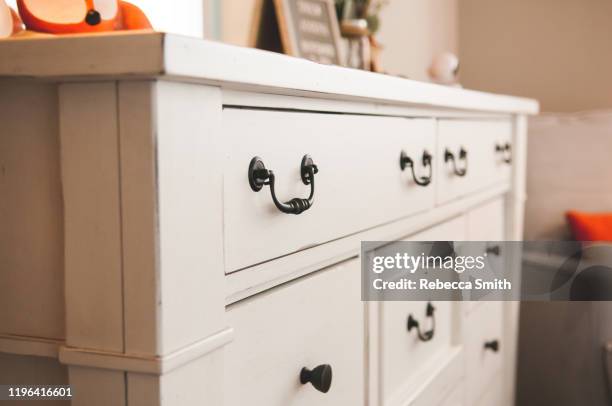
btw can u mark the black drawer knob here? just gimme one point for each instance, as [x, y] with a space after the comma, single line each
[259, 176]
[406, 161]
[492, 345]
[494, 250]
[320, 377]
[450, 157]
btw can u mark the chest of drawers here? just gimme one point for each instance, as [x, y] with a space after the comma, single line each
[184, 222]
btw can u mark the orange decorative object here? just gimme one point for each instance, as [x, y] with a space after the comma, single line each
[81, 16]
[590, 226]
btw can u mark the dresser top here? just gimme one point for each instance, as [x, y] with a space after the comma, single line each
[147, 54]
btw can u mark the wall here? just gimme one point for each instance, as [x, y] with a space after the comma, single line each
[412, 31]
[568, 162]
[167, 16]
[236, 18]
[556, 51]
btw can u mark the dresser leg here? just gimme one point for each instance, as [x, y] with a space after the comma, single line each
[97, 387]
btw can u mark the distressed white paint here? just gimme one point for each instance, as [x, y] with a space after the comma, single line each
[92, 217]
[327, 328]
[331, 140]
[154, 197]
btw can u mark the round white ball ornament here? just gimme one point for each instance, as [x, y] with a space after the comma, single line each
[444, 69]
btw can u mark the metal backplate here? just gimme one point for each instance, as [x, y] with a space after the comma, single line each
[306, 163]
[256, 164]
[403, 160]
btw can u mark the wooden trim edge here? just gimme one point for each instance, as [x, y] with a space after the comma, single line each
[34, 346]
[258, 278]
[144, 364]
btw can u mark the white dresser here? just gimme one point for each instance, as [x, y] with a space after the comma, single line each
[144, 261]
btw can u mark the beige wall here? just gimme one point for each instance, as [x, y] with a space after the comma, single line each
[412, 31]
[557, 51]
[236, 18]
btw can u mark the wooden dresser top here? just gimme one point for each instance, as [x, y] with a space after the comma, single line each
[155, 55]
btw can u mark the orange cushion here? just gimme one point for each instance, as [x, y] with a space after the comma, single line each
[590, 226]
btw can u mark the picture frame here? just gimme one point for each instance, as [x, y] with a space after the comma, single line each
[309, 29]
[265, 33]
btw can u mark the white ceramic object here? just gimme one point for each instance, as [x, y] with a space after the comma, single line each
[444, 69]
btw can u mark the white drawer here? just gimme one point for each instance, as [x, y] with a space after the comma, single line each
[359, 183]
[457, 397]
[407, 362]
[444, 386]
[482, 331]
[493, 395]
[484, 166]
[486, 222]
[313, 321]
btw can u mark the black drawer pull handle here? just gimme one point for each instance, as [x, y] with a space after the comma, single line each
[494, 250]
[260, 176]
[449, 156]
[320, 377]
[414, 324]
[406, 161]
[492, 345]
[506, 150]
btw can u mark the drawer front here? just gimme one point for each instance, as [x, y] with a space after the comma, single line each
[407, 362]
[313, 321]
[445, 387]
[494, 394]
[486, 222]
[484, 165]
[457, 397]
[359, 183]
[483, 331]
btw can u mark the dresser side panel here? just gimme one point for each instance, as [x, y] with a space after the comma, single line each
[31, 212]
[90, 177]
[137, 130]
[190, 213]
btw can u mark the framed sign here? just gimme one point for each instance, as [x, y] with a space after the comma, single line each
[309, 29]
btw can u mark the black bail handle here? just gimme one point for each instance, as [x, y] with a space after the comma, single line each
[450, 157]
[506, 151]
[414, 324]
[260, 176]
[406, 161]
